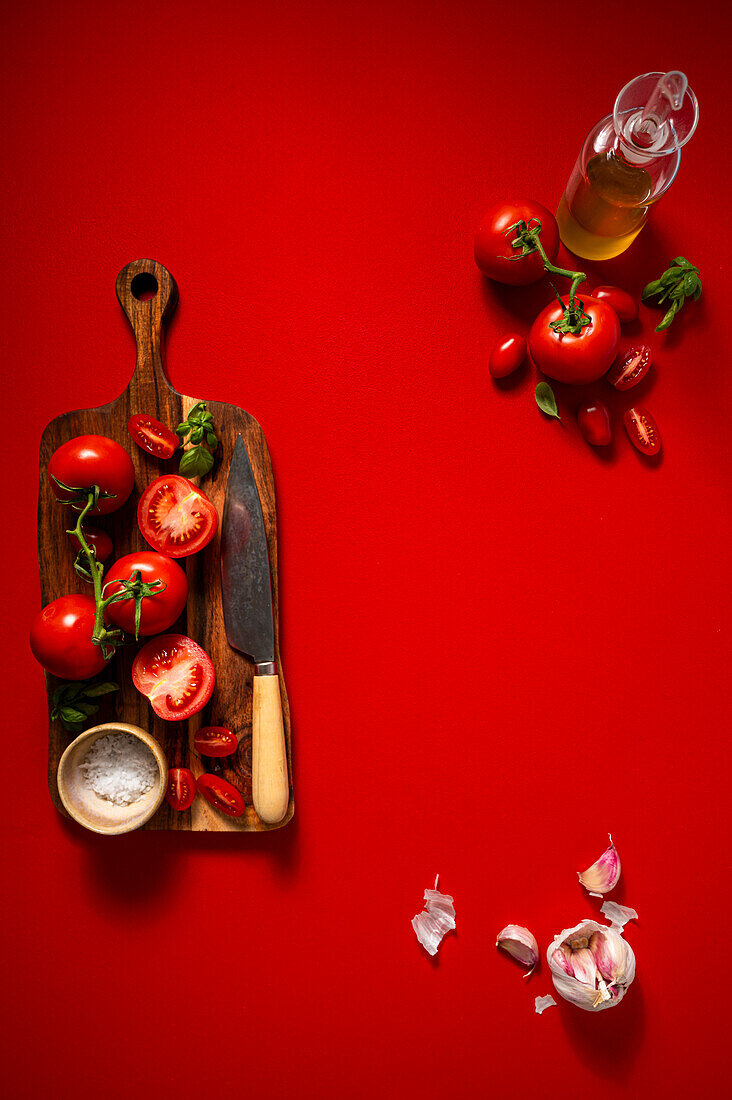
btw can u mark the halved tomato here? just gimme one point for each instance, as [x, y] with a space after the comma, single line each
[175, 517]
[221, 794]
[181, 788]
[642, 430]
[215, 741]
[175, 674]
[631, 368]
[152, 436]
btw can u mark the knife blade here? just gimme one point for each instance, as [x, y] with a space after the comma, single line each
[246, 591]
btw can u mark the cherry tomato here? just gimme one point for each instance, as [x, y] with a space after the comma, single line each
[575, 359]
[157, 612]
[175, 517]
[181, 788]
[507, 356]
[99, 541]
[493, 244]
[624, 305]
[215, 741]
[89, 460]
[175, 674]
[152, 436]
[61, 638]
[594, 423]
[642, 430]
[631, 368]
[221, 794]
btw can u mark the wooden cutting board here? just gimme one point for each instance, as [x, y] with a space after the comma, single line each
[150, 391]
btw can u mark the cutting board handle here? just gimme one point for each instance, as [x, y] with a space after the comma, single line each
[148, 294]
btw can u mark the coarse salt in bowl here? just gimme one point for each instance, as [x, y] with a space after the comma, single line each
[113, 789]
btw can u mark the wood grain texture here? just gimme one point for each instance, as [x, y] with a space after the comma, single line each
[231, 703]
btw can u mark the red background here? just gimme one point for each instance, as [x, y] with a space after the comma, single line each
[499, 644]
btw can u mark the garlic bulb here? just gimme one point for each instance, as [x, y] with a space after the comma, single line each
[437, 918]
[591, 964]
[520, 944]
[603, 875]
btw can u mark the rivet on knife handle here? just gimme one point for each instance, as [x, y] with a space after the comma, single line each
[270, 786]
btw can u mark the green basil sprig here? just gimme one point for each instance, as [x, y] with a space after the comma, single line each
[72, 703]
[678, 282]
[199, 427]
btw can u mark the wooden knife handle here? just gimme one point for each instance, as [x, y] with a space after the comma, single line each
[270, 786]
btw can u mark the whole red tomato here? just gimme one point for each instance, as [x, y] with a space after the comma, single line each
[157, 612]
[61, 638]
[575, 359]
[89, 460]
[493, 242]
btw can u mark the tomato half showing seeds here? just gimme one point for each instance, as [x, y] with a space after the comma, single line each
[575, 359]
[181, 788]
[215, 741]
[507, 356]
[61, 638]
[89, 460]
[175, 517]
[493, 250]
[630, 368]
[222, 795]
[642, 430]
[152, 436]
[157, 612]
[594, 423]
[175, 674]
[625, 306]
[97, 539]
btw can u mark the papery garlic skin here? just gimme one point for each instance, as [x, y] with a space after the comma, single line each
[603, 875]
[602, 964]
[437, 918]
[541, 1003]
[520, 944]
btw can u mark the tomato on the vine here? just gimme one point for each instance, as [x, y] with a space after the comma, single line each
[221, 794]
[181, 788]
[152, 436]
[175, 674]
[96, 538]
[493, 242]
[89, 460]
[594, 423]
[631, 368]
[507, 356]
[579, 358]
[624, 305]
[61, 638]
[642, 430]
[215, 741]
[175, 517]
[159, 611]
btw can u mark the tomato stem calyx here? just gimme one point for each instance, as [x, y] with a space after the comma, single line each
[574, 318]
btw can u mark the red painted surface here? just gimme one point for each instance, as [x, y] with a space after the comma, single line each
[500, 644]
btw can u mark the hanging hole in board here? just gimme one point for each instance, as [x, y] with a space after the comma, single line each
[144, 286]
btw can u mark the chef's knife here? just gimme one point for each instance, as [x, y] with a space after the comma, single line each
[246, 590]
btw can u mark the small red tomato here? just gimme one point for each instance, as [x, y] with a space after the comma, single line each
[61, 638]
[624, 305]
[594, 423]
[507, 356]
[215, 741]
[99, 541]
[642, 430]
[631, 368]
[181, 788]
[152, 436]
[494, 253]
[221, 795]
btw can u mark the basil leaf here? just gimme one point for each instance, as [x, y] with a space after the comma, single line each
[545, 399]
[106, 688]
[196, 462]
[211, 439]
[697, 292]
[650, 289]
[71, 714]
[689, 283]
[670, 275]
[668, 318]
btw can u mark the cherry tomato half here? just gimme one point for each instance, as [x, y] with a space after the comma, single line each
[175, 674]
[575, 359]
[221, 794]
[624, 305]
[642, 430]
[175, 517]
[181, 788]
[61, 638]
[89, 460]
[630, 368]
[507, 356]
[152, 436]
[157, 612]
[493, 249]
[594, 423]
[215, 741]
[99, 541]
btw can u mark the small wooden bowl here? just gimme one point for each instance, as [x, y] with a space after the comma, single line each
[97, 813]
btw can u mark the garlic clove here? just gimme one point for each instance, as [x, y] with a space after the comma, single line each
[540, 1003]
[561, 957]
[609, 954]
[584, 966]
[520, 944]
[603, 875]
[437, 918]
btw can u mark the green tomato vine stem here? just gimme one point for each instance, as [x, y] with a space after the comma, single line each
[528, 239]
